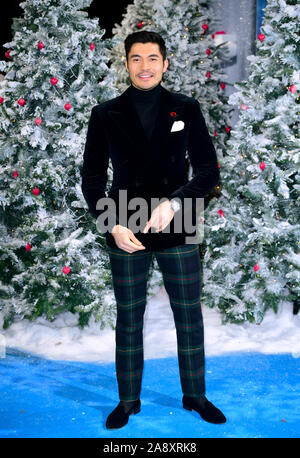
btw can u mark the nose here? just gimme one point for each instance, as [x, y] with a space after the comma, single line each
[145, 66]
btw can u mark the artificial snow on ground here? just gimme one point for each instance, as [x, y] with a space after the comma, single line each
[63, 340]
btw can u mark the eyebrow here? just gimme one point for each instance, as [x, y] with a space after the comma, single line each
[138, 55]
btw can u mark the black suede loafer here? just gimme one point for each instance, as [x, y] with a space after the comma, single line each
[120, 415]
[206, 409]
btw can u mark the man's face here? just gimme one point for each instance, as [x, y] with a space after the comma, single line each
[145, 65]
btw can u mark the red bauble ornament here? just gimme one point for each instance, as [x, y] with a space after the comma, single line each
[227, 129]
[208, 51]
[219, 165]
[40, 45]
[54, 80]
[140, 24]
[38, 121]
[21, 102]
[221, 213]
[205, 27]
[256, 267]
[208, 74]
[223, 85]
[28, 247]
[1, 100]
[262, 165]
[173, 114]
[215, 133]
[66, 270]
[213, 35]
[15, 174]
[35, 191]
[68, 106]
[261, 37]
[244, 107]
[92, 46]
[293, 89]
[7, 54]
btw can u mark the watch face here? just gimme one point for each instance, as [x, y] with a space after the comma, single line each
[175, 205]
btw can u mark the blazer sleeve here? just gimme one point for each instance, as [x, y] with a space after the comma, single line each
[203, 158]
[95, 164]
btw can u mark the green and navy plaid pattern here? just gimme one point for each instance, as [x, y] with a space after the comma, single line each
[180, 267]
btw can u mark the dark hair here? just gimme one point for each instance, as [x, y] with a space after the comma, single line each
[145, 36]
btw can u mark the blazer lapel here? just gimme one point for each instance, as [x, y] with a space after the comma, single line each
[169, 111]
[127, 120]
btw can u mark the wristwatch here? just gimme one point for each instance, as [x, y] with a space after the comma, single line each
[175, 205]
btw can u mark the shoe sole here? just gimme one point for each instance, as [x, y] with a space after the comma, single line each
[132, 413]
[213, 422]
[187, 408]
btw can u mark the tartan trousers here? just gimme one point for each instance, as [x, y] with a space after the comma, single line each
[180, 267]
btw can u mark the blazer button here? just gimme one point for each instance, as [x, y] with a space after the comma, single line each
[172, 158]
[165, 180]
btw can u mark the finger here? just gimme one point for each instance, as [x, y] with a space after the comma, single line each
[137, 244]
[132, 248]
[131, 244]
[127, 245]
[148, 225]
[134, 239]
[153, 222]
[162, 226]
[127, 248]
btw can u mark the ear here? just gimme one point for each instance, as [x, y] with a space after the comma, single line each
[166, 64]
[126, 65]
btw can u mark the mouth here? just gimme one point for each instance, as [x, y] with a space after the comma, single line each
[145, 76]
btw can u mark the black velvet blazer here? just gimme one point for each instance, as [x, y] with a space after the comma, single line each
[155, 168]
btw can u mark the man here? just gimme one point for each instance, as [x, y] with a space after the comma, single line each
[147, 132]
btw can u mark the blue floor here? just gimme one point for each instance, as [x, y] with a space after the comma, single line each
[259, 394]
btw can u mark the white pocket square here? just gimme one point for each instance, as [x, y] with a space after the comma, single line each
[177, 125]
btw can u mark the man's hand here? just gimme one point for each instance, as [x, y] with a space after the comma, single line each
[125, 239]
[160, 217]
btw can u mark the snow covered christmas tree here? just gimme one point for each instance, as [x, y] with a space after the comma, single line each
[252, 232]
[51, 256]
[131, 22]
[189, 29]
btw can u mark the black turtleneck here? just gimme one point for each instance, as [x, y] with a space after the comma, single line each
[146, 104]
